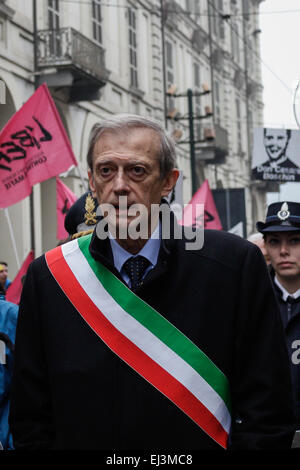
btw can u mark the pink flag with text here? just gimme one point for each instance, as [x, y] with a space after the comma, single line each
[13, 293]
[33, 148]
[202, 208]
[64, 200]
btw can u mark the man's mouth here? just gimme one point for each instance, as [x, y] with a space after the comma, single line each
[285, 264]
[275, 151]
[122, 211]
[121, 207]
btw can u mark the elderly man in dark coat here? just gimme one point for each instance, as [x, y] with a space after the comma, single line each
[138, 336]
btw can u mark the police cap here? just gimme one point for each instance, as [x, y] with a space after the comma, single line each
[82, 214]
[281, 217]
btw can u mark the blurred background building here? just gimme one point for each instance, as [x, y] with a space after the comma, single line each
[194, 65]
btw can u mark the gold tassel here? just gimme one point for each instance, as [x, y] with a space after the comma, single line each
[90, 215]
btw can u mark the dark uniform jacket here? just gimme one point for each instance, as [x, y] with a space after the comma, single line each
[70, 391]
[290, 316]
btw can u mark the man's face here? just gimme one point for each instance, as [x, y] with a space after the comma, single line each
[283, 249]
[275, 141]
[127, 164]
[3, 274]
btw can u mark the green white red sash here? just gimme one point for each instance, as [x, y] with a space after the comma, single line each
[143, 338]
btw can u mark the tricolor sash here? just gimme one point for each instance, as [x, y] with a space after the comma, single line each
[143, 338]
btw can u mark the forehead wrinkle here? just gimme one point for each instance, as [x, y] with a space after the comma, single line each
[142, 140]
[120, 160]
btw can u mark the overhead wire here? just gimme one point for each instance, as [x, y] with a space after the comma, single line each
[182, 12]
[249, 47]
[222, 15]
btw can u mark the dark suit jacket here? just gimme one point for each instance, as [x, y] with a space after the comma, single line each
[71, 391]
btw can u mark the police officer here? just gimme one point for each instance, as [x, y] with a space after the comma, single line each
[81, 217]
[281, 232]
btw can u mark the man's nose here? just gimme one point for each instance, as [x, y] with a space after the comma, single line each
[121, 182]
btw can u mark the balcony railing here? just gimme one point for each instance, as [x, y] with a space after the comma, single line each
[67, 47]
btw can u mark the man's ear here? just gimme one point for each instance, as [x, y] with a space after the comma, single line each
[169, 182]
[91, 183]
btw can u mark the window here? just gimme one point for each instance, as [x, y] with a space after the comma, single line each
[197, 100]
[216, 19]
[239, 124]
[53, 14]
[250, 124]
[2, 31]
[53, 23]
[217, 109]
[250, 54]
[135, 107]
[246, 9]
[193, 6]
[96, 21]
[2, 92]
[197, 75]
[235, 42]
[132, 48]
[169, 72]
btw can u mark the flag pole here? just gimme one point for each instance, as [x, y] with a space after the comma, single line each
[12, 236]
[31, 198]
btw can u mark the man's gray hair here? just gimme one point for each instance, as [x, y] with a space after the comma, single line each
[123, 122]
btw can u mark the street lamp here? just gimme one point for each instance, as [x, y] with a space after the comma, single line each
[191, 117]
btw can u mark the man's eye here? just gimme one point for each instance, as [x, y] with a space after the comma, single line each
[295, 240]
[105, 171]
[138, 170]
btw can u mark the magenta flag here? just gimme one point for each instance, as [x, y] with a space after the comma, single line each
[64, 200]
[14, 290]
[202, 208]
[33, 147]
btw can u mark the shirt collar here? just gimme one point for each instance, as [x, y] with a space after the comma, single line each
[150, 250]
[278, 162]
[285, 293]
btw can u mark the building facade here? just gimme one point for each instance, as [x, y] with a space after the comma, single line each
[194, 65]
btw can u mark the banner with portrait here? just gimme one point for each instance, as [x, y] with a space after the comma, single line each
[276, 155]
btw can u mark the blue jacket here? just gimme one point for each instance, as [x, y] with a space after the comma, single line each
[8, 323]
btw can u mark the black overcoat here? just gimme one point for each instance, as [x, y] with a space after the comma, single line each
[70, 391]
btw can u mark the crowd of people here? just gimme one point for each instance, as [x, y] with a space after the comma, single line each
[8, 323]
[130, 340]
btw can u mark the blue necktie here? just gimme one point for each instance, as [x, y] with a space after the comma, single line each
[135, 268]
